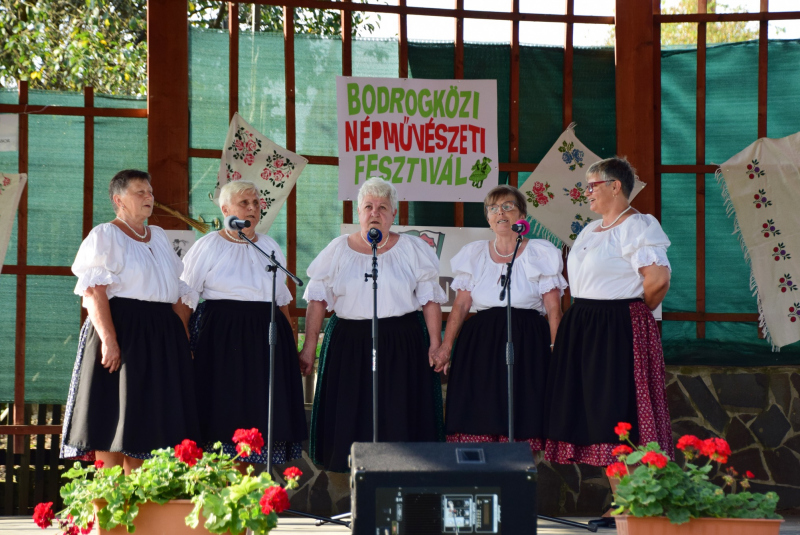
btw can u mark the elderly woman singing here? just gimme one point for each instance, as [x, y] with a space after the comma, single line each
[131, 389]
[477, 392]
[230, 335]
[608, 365]
[409, 400]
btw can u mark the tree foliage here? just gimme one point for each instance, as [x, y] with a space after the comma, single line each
[68, 44]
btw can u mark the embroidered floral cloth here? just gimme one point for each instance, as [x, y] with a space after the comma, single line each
[249, 155]
[11, 187]
[556, 190]
[761, 188]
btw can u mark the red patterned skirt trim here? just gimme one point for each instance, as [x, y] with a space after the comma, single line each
[536, 444]
[651, 398]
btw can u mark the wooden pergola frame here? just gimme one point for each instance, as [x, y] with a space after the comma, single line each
[638, 57]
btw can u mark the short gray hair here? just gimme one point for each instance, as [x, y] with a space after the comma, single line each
[235, 187]
[378, 187]
[119, 184]
[616, 168]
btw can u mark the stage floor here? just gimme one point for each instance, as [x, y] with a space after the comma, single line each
[15, 525]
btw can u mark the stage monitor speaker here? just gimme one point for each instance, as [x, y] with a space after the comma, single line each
[414, 488]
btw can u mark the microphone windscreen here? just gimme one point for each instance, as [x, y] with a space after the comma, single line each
[526, 227]
[374, 235]
[228, 224]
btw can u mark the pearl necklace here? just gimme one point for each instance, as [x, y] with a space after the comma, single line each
[617, 219]
[498, 252]
[233, 238]
[368, 243]
[140, 236]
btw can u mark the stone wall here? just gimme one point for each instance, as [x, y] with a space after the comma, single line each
[757, 410]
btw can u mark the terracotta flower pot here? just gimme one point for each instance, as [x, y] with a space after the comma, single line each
[154, 519]
[660, 525]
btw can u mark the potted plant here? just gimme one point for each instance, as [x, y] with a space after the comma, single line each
[185, 479]
[656, 496]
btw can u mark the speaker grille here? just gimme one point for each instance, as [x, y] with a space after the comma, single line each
[422, 514]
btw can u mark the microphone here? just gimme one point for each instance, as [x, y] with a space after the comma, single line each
[374, 236]
[521, 227]
[231, 223]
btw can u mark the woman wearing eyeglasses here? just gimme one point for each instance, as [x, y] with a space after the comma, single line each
[608, 364]
[477, 391]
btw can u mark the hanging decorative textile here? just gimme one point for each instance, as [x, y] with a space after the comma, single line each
[556, 190]
[249, 155]
[761, 189]
[11, 187]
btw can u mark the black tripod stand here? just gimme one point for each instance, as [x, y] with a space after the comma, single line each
[505, 293]
[273, 341]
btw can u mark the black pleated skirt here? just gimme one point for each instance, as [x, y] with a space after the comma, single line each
[477, 391]
[231, 352]
[409, 392]
[591, 382]
[149, 403]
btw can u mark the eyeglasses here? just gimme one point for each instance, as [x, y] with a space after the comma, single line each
[590, 185]
[506, 207]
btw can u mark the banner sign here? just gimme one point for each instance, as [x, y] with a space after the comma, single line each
[9, 132]
[435, 140]
[11, 186]
[250, 155]
[446, 241]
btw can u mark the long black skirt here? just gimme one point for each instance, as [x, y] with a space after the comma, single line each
[409, 392]
[477, 391]
[591, 385]
[231, 351]
[149, 403]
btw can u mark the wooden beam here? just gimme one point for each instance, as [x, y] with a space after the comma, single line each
[687, 169]
[635, 117]
[347, 70]
[73, 111]
[22, 430]
[513, 112]
[168, 107]
[657, 110]
[763, 61]
[22, 286]
[728, 17]
[711, 316]
[88, 162]
[458, 74]
[436, 12]
[233, 59]
[569, 31]
[291, 144]
[37, 270]
[700, 178]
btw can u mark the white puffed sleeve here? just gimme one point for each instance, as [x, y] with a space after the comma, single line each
[196, 263]
[99, 259]
[542, 264]
[467, 265]
[644, 243]
[427, 272]
[322, 271]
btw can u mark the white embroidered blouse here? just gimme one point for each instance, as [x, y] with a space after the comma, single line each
[408, 277]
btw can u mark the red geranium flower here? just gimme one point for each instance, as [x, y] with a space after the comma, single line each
[616, 470]
[622, 449]
[722, 447]
[99, 463]
[623, 429]
[292, 473]
[749, 474]
[274, 499]
[708, 447]
[43, 515]
[655, 459]
[188, 452]
[88, 529]
[248, 440]
[689, 441]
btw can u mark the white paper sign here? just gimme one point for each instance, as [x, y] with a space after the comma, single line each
[9, 132]
[435, 140]
[181, 241]
[11, 187]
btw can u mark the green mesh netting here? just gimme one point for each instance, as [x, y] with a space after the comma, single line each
[56, 168]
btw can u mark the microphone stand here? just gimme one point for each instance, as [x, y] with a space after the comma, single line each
[374, 277]
[273, 268]
[505, 293]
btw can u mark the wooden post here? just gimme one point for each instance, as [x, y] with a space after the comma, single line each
[168, 107]
[635, 117]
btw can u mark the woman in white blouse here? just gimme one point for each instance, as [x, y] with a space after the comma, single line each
[409, 402]
[608, 364]
[477, 391]
[230, 335]
[131, 389]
